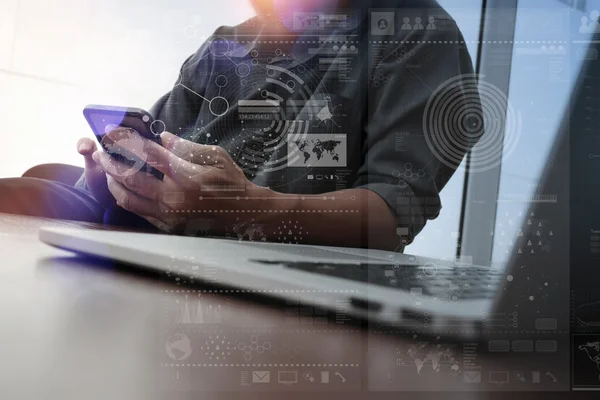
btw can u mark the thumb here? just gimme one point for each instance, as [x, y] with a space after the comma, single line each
[86, 147]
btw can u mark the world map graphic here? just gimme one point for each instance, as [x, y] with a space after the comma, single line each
[592, 350]
[310, 152]
[437, 357]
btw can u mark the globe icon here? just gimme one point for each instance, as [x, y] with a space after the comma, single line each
[179, 347]
[129, 145]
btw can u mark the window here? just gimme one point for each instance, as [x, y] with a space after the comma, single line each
[444, 231]
[542, 74]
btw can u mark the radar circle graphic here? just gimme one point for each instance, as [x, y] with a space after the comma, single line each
[466, 112]
[270, 104]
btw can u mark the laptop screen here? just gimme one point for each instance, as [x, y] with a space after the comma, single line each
[544, 74]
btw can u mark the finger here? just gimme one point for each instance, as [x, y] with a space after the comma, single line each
[194, 153]
[125, 141]
[168, 227]
[86, 146]
[130, 143]
[132, 202]
[138, 182]
[168, 163]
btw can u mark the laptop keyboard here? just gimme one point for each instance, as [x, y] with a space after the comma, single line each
[450, 283]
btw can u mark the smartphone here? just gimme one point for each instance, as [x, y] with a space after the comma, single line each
[105, 119]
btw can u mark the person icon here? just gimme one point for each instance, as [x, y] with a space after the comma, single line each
[406, 26]
[418, 24]
[383, 24]
[431, 26]
[584, 28]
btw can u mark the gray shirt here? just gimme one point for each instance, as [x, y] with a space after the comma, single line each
[340, 106]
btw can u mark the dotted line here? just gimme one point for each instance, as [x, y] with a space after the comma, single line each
[352, 42]
[547, 333]
[262, 365]
[265, 330]
[238, 198]
[297, 42]
[263, 211]
[451, 332]
[468, 42]
[256, 291]
[404, 41]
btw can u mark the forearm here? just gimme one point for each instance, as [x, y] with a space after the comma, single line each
[350, 218]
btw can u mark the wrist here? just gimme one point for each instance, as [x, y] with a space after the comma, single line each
[272, 205]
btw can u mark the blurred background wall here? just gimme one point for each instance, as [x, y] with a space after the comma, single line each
[56, 56]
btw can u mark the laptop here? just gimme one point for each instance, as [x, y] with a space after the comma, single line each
[376, 285]
[389, 288]
[437, 297]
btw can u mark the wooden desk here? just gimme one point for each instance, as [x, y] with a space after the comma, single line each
[85, 329]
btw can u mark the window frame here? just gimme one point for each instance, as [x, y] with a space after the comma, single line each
[498, 24]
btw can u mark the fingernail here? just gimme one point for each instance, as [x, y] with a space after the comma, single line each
[96, 156]
[167, 135]
[165, 139]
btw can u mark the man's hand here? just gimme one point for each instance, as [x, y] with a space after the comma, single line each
[200, 181]
[203, 182]
[95, 177]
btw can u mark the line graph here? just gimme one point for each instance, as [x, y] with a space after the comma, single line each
[197, 311]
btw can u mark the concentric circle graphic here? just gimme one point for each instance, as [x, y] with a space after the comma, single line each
[243, 70]
[467, 113]
[263, 105]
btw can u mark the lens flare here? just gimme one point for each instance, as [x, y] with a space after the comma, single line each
[286, 9]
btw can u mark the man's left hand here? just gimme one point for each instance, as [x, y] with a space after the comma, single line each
[200, 181]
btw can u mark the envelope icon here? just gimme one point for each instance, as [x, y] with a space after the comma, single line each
[472, 376]
[261, 377]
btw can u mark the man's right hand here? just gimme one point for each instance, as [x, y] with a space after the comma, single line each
[95, 176]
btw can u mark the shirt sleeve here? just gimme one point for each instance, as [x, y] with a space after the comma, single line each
[398, 163]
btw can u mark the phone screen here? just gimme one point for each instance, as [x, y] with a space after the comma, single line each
[126, 121]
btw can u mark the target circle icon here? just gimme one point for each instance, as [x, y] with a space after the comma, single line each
[157, 127]
[219, 106]
[221, 81]
[242, 70]
[467, 113]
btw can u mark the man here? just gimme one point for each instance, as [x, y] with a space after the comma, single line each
[287, 125]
